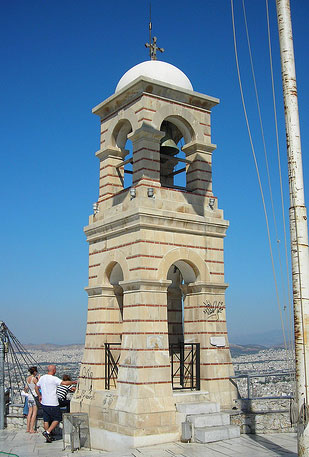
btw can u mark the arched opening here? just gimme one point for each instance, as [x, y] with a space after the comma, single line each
[173, 162]
[113, 345]
[183, 355]
[175, 306]
[180, 273]
[115, 275]
[120, 139]
[169, 156]
[128, 164]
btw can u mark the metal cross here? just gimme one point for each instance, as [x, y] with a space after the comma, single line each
[153, 48]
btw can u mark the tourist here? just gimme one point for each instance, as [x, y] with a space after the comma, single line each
[49, 400]
[62, 392]
[31, 382]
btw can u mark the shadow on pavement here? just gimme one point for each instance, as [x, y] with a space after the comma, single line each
[271, 445]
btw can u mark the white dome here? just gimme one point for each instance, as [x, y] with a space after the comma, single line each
[156, 69]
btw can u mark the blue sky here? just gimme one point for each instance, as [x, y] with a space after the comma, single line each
[60, 59]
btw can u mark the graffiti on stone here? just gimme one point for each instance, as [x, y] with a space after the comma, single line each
[213, 310]
[86, 390]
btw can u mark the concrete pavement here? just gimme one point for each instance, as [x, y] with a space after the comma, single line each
[21, 444]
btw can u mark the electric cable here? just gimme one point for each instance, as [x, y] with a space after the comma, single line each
[20, 376]
[257, 171]
[266, 157]
[280, 179]
[265, 152]
[13, 367]
[25, 355]
[18, 360]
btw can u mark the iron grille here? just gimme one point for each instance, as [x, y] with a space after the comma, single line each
[185, 365]
[112, 356]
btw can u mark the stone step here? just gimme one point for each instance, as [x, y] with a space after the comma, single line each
[191, 397]
[198, 408]
[219, 433]
[209, 420]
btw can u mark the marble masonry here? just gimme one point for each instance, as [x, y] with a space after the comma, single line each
[156, 313]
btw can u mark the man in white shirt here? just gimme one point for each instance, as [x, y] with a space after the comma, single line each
[48, 384]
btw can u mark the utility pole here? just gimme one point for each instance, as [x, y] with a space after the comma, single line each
[2, 356]
[298, 224]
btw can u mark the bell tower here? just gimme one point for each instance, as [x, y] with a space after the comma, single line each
[156, 315]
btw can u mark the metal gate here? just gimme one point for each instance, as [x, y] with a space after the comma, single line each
[185, 365]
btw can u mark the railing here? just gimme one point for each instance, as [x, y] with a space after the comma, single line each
[111, 364]
[185, 365]
[248, 389]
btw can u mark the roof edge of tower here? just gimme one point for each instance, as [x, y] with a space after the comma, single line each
[144, 85]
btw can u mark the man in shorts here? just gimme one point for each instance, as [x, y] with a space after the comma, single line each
[49, 400]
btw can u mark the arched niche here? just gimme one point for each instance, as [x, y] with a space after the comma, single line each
[120, 139]
[189, 274]
[190, 263]
[108, 262]
[184, 127]
[115, 274]
[120, 133]
[188, 125]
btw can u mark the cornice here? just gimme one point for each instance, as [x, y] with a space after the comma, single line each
[145, 219]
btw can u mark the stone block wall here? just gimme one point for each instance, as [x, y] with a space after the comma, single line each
[263, 416]
[16, 420]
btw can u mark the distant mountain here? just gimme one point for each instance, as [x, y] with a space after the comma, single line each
[239, 344]
[269, 338]
[49, 347]
[237, 349]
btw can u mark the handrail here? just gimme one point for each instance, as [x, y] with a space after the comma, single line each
[248, 377]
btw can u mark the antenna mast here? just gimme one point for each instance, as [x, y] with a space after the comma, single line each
[153, 48]
[150, 29]
[298, 224]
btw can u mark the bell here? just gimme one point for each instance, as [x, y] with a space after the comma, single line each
[168, 145]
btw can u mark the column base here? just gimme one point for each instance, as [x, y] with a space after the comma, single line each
[109, 441]
[112, 429]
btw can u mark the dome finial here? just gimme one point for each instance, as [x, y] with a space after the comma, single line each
[153, 48]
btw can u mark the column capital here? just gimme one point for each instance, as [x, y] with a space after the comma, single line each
[195, 146]
[138, 284]
[110, 152]
[204, 287]
[99, 290]
[146, 131]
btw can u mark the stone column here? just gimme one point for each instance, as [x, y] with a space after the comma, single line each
[199, 171]
[205, 323]
[144, 405]
[111, 177]
[146, 156]
[104, 325]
